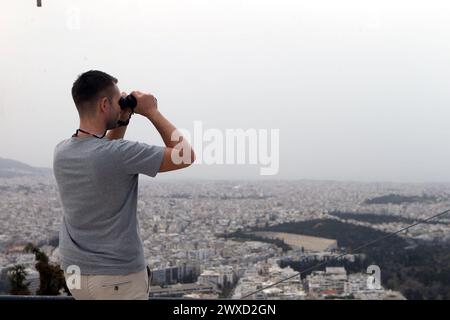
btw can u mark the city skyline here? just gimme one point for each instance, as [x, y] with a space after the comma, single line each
[182, 227]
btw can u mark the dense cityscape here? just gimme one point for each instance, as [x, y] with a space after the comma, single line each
[187, 230]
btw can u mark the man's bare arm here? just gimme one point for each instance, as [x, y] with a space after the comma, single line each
[117, 133]
[166, 129]
[176, 147]
[178, 153]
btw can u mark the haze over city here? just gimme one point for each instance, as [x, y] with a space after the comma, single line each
[358, 89]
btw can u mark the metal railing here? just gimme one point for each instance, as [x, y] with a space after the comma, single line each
[28, 298]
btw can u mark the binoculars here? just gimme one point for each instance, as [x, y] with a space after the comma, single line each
[128, 102]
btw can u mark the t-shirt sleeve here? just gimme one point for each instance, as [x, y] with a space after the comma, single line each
[138, 157]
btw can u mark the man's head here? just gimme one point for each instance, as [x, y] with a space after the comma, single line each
[96, 97]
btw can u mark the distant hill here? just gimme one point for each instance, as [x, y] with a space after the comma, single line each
[399, 199]
[12, 168]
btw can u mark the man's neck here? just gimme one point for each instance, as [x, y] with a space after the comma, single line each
[92, 128]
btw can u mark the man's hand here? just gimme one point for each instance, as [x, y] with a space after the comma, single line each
[147, 105]
[125, 114]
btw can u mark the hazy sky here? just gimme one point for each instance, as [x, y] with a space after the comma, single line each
[359, 89]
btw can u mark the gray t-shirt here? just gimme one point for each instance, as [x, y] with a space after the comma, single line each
[98, 186]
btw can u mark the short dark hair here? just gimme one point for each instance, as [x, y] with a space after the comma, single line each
[89, 86]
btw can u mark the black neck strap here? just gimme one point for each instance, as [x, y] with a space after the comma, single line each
[81, 130]
[120, 123]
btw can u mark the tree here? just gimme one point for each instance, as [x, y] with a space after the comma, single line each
[17, 276]
[51, 277]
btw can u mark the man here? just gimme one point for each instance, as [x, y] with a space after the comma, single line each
[96, 171]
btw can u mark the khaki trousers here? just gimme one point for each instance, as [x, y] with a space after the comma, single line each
[134, 286]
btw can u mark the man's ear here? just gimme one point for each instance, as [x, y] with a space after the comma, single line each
[103, 105]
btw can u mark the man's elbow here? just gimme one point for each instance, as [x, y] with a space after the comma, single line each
[185, 159]
[192, 160]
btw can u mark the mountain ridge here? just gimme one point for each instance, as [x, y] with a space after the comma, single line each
[10, 168]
